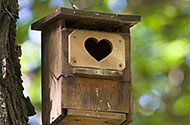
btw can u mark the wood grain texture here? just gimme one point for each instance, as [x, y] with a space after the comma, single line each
[130, 115]
[97, 94]
[76, 92]
[51, 69]
[128, 74]
[81, 117]
[87, 20]
[101, 73]
[80, 54]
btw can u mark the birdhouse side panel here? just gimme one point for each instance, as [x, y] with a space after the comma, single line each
[51, 69]
[128, 74]
[127, 71]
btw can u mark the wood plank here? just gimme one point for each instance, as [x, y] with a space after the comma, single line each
[96, 114]
[82, 117]
[95, 94]
[51, 68]
[127, 37]
[127, 73]
[88, 19]
[130, 115]
[80, 56]
[92, 72]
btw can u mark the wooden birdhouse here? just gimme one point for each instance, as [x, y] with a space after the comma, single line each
[86, 67]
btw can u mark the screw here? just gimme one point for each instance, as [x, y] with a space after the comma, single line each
[74, 36]
[120, 65]
[120, 41]
[74, 61]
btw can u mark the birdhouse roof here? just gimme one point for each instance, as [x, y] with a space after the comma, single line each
[81, 19]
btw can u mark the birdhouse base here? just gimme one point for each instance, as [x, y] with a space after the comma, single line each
[82, 117]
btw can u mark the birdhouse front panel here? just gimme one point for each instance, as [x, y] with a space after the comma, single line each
[95, 88]
[86, 67]
[89, 88]
[93, 49]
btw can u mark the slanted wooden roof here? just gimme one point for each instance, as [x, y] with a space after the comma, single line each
[82, 19]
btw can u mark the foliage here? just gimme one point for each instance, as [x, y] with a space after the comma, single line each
[160, 55]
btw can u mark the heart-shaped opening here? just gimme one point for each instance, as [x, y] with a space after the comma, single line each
[98, 49]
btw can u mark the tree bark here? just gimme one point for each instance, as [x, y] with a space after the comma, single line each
[14, 107]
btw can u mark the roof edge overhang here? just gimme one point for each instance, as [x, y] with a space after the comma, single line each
[83, 16]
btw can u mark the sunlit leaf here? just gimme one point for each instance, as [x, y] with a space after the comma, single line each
[182, 106]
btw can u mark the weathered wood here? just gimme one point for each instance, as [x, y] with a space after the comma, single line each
[102, 73]
[85, 50]
[51, 69]
[96, 94]
[80, 19]
[82, 117]
[128, 73]
[80, 94]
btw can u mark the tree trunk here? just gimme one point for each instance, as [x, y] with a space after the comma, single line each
[14, 107]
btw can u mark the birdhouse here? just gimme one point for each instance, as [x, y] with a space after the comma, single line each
[86, 67]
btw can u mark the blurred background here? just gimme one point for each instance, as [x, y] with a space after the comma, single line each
[160, 55]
